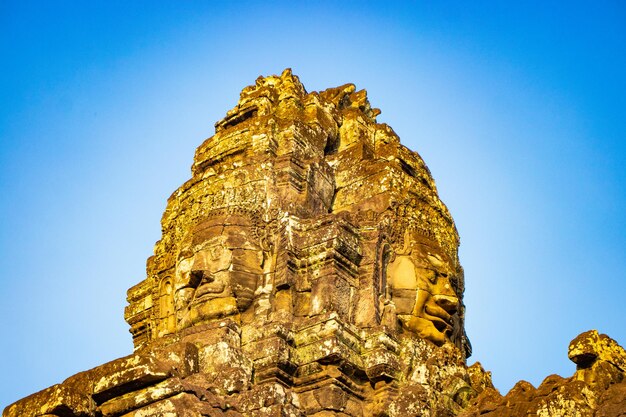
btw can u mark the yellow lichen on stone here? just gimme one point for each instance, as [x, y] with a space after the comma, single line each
[308, 267]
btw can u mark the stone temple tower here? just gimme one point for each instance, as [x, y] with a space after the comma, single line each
[301, 206]
[307, 268]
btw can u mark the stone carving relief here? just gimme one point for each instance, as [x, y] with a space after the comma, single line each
[218, 269]
[419, 284]
[307, 268]
[166, 307]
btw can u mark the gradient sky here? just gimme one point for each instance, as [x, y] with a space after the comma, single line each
[518, 110]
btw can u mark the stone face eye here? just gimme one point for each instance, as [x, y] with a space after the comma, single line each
[438, 275]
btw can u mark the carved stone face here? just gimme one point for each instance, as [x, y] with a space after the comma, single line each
[420, 287]
[217, 272]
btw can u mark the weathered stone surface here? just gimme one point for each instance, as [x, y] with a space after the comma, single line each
[309, 268]
[59, 400]
[598, 387]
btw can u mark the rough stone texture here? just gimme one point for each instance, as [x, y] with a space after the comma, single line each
[309, 268]
[597, 388]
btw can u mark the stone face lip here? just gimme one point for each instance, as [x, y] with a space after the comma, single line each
[307, 267]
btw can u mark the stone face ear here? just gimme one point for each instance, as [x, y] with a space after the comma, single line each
[167, 309]
[401, 273]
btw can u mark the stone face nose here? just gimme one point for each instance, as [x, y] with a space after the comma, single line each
[450, 303]
[199, 276]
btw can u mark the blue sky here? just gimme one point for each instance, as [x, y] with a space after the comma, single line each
[518, 110]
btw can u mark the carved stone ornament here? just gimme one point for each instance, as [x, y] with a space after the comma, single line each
[307, 268]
